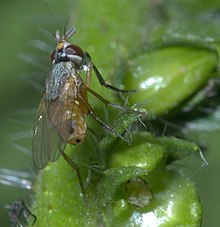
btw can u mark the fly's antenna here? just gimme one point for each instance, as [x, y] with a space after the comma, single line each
[66, 33]
[65, 26]
[69, 33]
[57, 36]
[66, 36]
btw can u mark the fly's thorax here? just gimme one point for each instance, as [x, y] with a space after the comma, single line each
[57, 78]
[68, 88]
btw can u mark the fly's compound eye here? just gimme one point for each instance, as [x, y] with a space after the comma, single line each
[69, 53]
[75, 54]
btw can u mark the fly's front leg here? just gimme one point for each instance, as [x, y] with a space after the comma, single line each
[102, 81]
[89, 73]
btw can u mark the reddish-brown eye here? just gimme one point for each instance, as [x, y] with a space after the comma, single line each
[74, 50]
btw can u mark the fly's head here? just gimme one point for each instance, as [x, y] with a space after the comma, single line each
[65, 51]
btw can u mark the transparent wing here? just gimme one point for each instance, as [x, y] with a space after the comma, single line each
[47, 144]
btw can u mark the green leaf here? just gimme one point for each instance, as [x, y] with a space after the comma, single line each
[168, 76]
[174, 203]
[174, 199]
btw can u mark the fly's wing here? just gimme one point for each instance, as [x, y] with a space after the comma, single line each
[47, 144]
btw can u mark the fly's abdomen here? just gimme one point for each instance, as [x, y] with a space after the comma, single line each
[77, 129]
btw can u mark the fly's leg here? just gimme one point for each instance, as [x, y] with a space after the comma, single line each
[88, 74]
[107, 127]
[91, 112]
[16, 210]
[106, 102]
[102, 81]
[76, 168]
[29, 212]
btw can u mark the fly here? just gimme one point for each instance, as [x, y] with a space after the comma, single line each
[64, 104]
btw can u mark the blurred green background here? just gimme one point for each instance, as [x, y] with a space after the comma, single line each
[24, 67]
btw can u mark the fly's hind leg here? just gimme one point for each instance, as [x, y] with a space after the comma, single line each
[76, 168]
